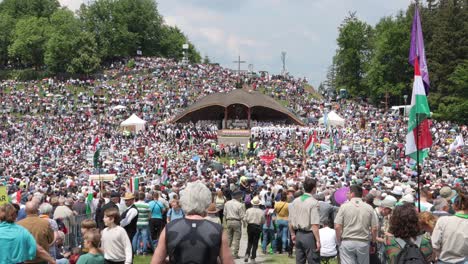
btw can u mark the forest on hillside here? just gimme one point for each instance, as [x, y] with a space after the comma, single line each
[41, 34]
[372, 61]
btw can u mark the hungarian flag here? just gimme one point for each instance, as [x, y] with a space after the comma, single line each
[418, 138]
[95, 142]
[134, 183]
[309, 145]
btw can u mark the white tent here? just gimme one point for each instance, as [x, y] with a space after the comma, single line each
[333, 119]
[118, 107]
[133, 123]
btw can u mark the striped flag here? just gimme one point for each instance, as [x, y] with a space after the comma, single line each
[418, 138]
[95, 142]
[134, 183]
[309, 146]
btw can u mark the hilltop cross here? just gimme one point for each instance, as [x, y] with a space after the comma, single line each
[238, 61]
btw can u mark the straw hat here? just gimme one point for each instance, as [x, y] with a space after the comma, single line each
[255, 201]
[212, 209]
[388, 202]
[447, 193]
[129, 196]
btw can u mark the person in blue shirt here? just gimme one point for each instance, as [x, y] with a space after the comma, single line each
[18, 245]
[269, 230]
[157, 210]
[175, 212]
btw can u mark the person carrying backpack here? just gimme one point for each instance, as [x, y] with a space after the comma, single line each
[407, 244]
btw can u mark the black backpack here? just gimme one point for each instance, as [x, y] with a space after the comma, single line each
[410, 254]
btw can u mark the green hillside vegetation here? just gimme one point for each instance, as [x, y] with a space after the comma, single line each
[44, 36]
[371, 62]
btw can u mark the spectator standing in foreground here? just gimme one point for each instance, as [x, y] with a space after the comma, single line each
[269, 230]
[39, 228]
[115, 243]
[140, 240]
[355, 223]
[220, 200]
[176, 212]
[129, 216]
[405, 228]
[156, 216]
[193, 239]
[92, 240]
[234, 211]
[17, 243]
[304, 225]
[450, 236]
[254, 219]
[327, 240]
[114, 200]
[282, 214]
[212, 214]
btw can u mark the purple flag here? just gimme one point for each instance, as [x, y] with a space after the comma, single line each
[417, 49]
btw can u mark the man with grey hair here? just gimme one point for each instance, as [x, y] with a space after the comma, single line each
[234, 211]
[441, 207]
[38, 227]
[193, 239]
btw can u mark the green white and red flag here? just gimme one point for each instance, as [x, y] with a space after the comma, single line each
[134, 183]
[418, 138]
[309, 145]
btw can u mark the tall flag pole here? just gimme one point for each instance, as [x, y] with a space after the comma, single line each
[418, 138]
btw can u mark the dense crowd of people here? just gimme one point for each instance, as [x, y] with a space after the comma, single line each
[355, 195]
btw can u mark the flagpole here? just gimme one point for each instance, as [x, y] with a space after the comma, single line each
[418, 168]
[303, 153]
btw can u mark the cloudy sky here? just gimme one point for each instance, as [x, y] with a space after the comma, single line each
[259, 30]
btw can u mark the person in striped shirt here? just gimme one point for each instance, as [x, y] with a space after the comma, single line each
[141, 239]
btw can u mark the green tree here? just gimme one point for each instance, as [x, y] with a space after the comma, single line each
[61, 45]
[121, 27]
[7, 25]
[455, 105]
[330, 82]
[388, 71]
[353, 54]
[109, 29]
[172, 40]
[29, 38]
[85, 59]
[24, 8]
[143, 21]
[193, 54]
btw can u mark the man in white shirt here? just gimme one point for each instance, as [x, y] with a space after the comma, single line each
[327, 240]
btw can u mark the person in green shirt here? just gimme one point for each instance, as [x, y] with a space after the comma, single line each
[92, 239]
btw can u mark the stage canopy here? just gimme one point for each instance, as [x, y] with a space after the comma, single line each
[333, 119]
[133, 123]
[236, 107]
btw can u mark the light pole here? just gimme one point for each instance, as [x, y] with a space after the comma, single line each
[404, 103]
[185, 48]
